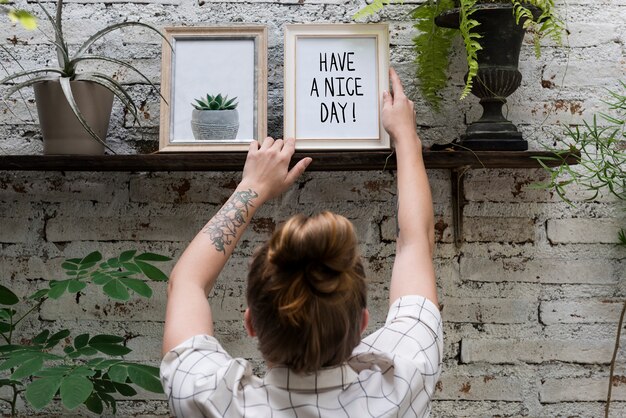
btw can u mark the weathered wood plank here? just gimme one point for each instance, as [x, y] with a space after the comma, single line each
[233, 161]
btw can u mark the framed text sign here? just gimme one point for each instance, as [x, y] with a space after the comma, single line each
[214, 87]
[335, 75]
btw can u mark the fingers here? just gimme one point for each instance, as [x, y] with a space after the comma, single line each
[289, 147]
[267, 143]
[254, 146]
[297, 170]
[396, 84]
[387, 99]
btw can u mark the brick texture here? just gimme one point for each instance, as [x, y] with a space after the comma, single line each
[530, 299]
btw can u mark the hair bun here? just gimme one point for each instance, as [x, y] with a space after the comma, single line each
[322, 244]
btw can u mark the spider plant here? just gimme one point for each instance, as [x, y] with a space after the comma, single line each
[68, 64]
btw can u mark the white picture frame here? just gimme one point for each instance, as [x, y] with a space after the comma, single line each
[226, 60]
[335, 75]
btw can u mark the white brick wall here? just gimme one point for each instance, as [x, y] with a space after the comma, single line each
[530, 301]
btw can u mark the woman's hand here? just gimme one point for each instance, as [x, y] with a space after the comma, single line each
[267, 172]
[398, 112]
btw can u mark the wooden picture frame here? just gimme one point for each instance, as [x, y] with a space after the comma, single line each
[226, 60]
[335, 75]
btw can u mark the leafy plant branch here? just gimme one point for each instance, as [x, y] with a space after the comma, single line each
[73, 368]
[599, 150]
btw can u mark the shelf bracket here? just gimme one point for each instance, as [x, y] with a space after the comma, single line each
[458, 202]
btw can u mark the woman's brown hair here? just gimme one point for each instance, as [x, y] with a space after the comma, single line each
[306, 293]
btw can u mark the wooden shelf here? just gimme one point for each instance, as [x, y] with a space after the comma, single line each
[233, 161]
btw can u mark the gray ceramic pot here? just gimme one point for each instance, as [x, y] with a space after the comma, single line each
[61, 130]
[214, 124]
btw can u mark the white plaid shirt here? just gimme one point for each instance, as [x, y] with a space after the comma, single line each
[392, 372]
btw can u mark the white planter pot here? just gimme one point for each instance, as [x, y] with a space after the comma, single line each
[214, 124]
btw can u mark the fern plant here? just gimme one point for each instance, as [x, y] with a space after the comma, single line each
[432, 44]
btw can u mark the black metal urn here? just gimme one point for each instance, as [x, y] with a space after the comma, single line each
[498, 76]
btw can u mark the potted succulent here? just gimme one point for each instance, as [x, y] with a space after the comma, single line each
[492, 33]
[215, 117]
[74, 106]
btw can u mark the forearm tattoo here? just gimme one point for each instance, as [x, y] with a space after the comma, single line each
[222, 228]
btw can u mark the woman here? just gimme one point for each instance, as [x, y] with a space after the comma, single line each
[306, 302]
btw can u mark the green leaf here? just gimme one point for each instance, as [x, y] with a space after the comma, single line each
[6, 314]
[138, 286]
[124, 389]
[432, 47]
[103, 385]
[39, 294]
[113, 263]
[118, 373]
[83, 371]
[27, 20]
[59, 335]
[144, 379]
[127, 255]
[109, 401]
[86, 351]
[5, 327]
[8, 348]
[19, 358]
[28, 368]
[152, 257]
[60, 370]
[69, 266]
[75, 390]
[131, 267]
[106, 339]
[41, 337]
[58, 289]
[94, 404]
[7, 297]
[112, 349]
[75, 286]
[41, 391]
[108, 363]
[93, 257]
[68, 350]
[81, 340]
[9, 382]
[116, 290]
[150, 271]
[101, 278]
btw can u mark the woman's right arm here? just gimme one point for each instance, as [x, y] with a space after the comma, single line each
[413, 272]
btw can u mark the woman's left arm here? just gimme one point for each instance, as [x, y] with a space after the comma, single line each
[266, 175]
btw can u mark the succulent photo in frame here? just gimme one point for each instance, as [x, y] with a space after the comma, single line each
[335, 75]
[214, 84]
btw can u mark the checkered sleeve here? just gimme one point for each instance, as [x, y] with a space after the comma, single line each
[413, 331]
[196, 372]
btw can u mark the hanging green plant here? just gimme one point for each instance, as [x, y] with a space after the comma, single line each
[433, 43]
